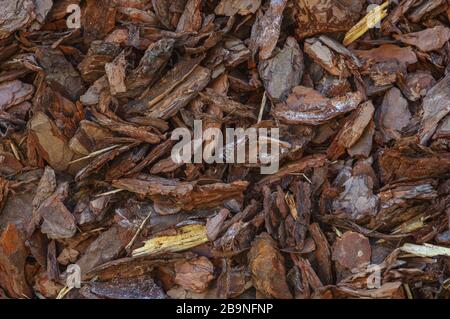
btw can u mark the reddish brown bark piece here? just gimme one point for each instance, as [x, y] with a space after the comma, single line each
[352, 250]
[307, 106]
[316, 17]
[352, 130]
[385, 52]
[394, 114]
[267, 266]
[427, 40]
[195, 274]
[171, 196]
[95, 11]
[13, 254]
[400, 163]
[326, 58]
[49, 141]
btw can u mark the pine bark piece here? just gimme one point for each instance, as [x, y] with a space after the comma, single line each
[282, 72]
[394, 114]
[187, 237]
[386, 52]
[363, 147]
[316, 160]
[13, 93]
[149, 69]
[357, 200]
[170, 195]
[15, 15]
[13, 255]
[88, 138]
[227, 105]
[326, 58]
[163, 12]
[105, 248]
[50, 143]
[416, 85]
[191, 19]
[141, 287]
[316, 17]
[233, 282]
[58, 221]
[425, 9]
[116, 72]
[115, 124]
[323, 253]
[267, 267]
[426, 40]
[352, 130]
[194, 275]
[352, 250]
[93, 65]
[94, 12]
[4, 190]
[436, 105]
[412, 162]
[232, 7]
[266, 30]
[157, 93]
[307, 106]
[214, 224]
[402, 202]
[181, 95]
[59, 73]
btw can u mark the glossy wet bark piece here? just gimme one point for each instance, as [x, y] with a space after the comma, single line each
[92, 91]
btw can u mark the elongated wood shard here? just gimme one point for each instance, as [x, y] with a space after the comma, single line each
[374, 16]
[187, 237]
[426, 250]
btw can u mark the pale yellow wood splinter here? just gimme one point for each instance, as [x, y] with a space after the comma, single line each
[187, 236]
[369, 21]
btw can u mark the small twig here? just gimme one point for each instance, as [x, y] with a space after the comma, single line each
[263, 106]
[138, 232]
[114, 191]
[63, 292]
[15, 150]
[94, 154]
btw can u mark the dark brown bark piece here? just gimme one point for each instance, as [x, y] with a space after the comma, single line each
[435, 106]
[323, 253]
[283, 71]
[60, 74]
